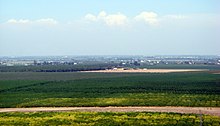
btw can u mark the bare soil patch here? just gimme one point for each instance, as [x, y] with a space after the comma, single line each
[189, 110]
[146, 70]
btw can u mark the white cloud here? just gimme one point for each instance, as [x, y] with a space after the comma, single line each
[43, 21]
[148, 17]
[110, 20]
[91, 17]
[20, 21]
[102, 14]
[176, 16]
[116, 19]
[47, 21]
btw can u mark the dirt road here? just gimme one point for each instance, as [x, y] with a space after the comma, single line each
[146, 70]
[195, 110]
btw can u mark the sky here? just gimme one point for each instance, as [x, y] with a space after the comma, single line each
[97, 27]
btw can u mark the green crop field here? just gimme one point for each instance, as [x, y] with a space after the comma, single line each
[107, 119]
[60, 76]
[99, 66]
[107, 89]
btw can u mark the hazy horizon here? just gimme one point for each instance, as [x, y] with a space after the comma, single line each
[52, 27]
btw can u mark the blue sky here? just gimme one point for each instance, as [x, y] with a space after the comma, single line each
[146, 27]
[71, 9]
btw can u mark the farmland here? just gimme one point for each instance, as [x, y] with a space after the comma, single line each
[105, 118]
[92, 89]
[99, 66]
[110, 89]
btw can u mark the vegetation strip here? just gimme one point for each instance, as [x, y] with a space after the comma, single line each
[106, 119]
[189, 110]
